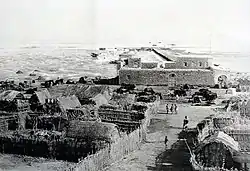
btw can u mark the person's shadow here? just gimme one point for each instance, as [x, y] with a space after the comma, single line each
[174, 158]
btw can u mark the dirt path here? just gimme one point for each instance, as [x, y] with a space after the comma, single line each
[161, 125]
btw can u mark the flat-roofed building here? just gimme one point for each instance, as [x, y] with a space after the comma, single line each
[161, 67]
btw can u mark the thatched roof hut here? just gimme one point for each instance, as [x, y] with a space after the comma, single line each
[93, 130]
[10, 95]
[98, 93]
[11, 101]
[87, 91]
[38, 100]
[68, 102]
[222, 138]
[42, 96]
[217, 151]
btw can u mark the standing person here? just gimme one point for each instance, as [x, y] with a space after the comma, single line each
[172, 108]
[177, 97]
[167, 108]
[185, 122]
[175, 108]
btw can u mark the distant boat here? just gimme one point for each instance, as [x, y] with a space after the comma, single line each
[94, 55]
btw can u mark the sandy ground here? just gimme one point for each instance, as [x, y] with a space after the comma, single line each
[153, 149]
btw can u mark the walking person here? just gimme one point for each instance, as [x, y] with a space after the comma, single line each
[166, 141]
[175, 108]
[172, 108]
[167, 108]
[185, 122]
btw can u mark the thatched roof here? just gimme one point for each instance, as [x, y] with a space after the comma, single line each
[85, 91]
[68, 102]
[10, 95]
[93, 91]
[241, 133]
[42, 95]
[123, 99]
[93, 130]
[220, 137]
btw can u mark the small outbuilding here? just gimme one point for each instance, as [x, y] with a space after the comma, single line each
[70, 106]
[11, 100]
[11, 95]
[217, 151]
[99, 94]
[38, 100]
[93, 130]
[68, 102]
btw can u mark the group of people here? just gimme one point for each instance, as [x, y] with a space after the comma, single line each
[172, 109]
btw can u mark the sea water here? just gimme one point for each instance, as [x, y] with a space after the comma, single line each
[52, 63]
[75, 62]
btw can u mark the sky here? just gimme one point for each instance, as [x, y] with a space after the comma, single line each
[224, 24]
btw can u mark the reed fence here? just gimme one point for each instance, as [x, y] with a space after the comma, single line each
[116, 151]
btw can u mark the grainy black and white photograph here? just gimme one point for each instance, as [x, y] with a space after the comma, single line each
[124, 85]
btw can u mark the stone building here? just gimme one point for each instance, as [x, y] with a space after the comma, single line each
[158, 67]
